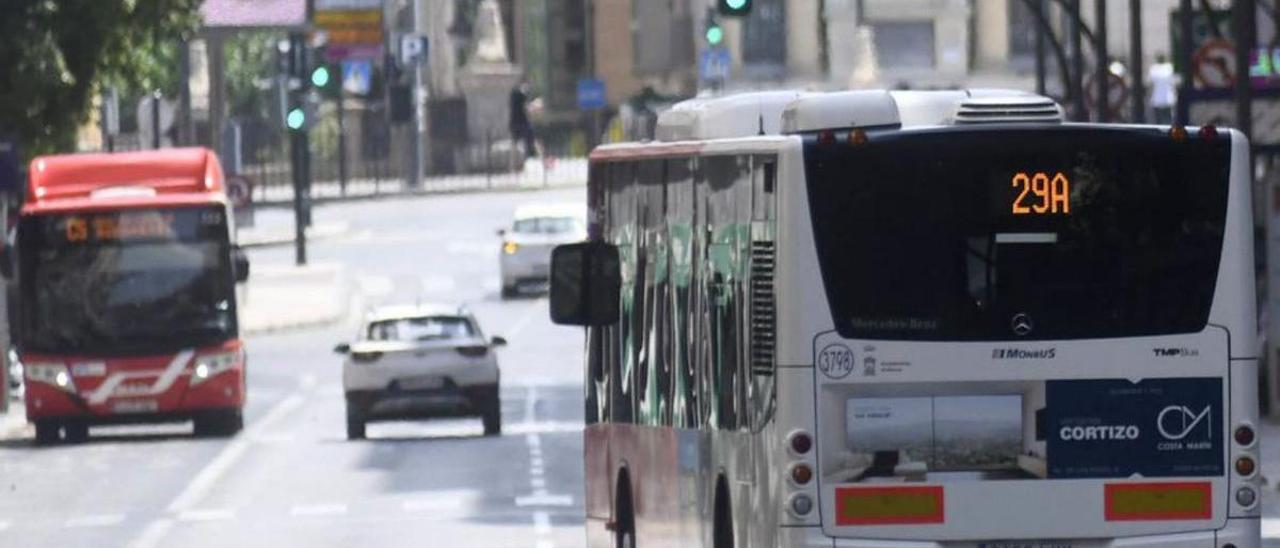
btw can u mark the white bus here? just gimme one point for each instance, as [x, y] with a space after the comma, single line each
[917, 319]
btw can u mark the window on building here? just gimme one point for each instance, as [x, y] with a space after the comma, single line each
[905, 44]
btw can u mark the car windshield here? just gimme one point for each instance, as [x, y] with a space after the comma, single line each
[427, 328]
[548, 225]
[121, 285]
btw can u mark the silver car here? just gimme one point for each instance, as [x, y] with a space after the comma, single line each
[421, 362]
[525, 259]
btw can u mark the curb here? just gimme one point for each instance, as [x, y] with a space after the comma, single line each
[420, 193]
[13, 423]
[318, 232]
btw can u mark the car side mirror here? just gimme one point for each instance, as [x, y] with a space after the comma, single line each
[342, 348]
[498, 341]
[241, 266]
[586, 281]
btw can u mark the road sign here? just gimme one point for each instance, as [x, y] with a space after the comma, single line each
[1117, 94]
[240, 193]
[414, 48]
[351, 33]
[591, 94]
[357, 76]
[1214, 64]
[714, 64]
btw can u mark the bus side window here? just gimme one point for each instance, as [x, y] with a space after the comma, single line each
[678, 326]
[621, 233]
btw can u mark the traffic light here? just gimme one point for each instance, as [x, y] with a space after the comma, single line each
[734, 8]
[714, 32]
[321, 76]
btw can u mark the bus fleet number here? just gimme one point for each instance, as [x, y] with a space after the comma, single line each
[1052, 194]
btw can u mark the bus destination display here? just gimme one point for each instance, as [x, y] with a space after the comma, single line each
[129, 226]
[1041, 193]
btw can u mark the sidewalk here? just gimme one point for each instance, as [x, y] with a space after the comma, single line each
[275, 227]
[284, 297]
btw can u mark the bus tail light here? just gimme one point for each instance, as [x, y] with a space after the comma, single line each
[801, 505]
[858, 137]
[827, 137]
[1245, 466]
[1208, 133]
[801, 443]
[1246, 496]
[1245, 435]
[1178, 133]
[801, 474]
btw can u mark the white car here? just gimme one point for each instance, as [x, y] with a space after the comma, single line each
[525, 259]
[420, 362]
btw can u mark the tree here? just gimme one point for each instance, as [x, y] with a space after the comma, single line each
[59, 52]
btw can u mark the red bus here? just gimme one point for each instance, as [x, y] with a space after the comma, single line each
[126, 269]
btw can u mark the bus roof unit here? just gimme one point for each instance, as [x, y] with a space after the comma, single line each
[872, 109]
[741, 115]
[130, 174]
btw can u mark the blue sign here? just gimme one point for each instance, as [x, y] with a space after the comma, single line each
[357, 76]
[714, 64]
[591, 95]
[1116, 428]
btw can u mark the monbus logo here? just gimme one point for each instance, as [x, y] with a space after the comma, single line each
[1023, 354]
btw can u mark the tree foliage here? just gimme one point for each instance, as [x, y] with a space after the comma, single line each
[59, 52]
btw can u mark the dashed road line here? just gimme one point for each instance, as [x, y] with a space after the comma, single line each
[101, 520]
[220, 514]
[4, 525]
[541, 523]
[312, 510]
[544, 499]
[1271, 528]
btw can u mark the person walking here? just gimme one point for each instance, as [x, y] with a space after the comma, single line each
[521, 128]
[1164, 89]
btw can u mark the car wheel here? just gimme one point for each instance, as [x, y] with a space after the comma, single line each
[76, 432]
[46, 432]
[492, 415]
[509, 292]
[355, 421]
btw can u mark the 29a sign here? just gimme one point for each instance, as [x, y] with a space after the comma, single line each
[1041, 194]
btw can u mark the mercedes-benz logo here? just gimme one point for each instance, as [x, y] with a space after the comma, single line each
[1022, 324]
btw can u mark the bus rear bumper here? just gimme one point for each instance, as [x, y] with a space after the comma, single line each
[1239, 532]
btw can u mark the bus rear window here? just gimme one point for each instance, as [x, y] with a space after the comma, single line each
[1023, 233]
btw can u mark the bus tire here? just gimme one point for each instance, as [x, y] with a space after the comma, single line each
[76, 431]
[222, 424]
[723, 527]
[625, 529]
[47, 432]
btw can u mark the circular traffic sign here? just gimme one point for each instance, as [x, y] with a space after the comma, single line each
[1214, 64]
[239, 191]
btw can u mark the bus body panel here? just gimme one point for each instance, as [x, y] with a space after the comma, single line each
[135, 214]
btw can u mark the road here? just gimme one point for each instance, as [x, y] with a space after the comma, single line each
[291, 478]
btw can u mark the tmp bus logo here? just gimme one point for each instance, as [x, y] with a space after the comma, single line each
[1177, 422]
[1022, 324]
[835, 361]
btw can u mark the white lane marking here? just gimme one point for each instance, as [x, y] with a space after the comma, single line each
[310, 510]
[543, 543]
[538, 484]
[220, 514]
[536, 463]
[526, 318]
[4, 525]
[545, 427]
[153, 534]
[102, 520]
[1270, 527]
[442, 501]
[532, 439]
[544, 499]
[536, 471]
[208, 477]
[541, 523]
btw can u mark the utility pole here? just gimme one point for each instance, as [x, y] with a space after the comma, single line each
[1102, 62]
[1041, 68]
[1139, 104]
[1077, 62]
[1184, 60]
[299, 144]
[415, 95]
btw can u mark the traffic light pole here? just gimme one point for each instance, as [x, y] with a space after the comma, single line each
[300, 155]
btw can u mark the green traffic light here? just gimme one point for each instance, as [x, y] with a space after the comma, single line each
[715, 35]
[320, 77]
[296, 119]
[736, 4]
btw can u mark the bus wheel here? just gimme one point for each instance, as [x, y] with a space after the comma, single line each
[625, 533]
[223, 425]
[76, 432]
[46, 432]
[724, 517]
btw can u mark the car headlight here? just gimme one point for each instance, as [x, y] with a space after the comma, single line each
[208, 365]
[53, 374]
[510, 248]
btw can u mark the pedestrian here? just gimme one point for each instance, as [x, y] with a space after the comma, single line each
[1164, 89]
[521, 128]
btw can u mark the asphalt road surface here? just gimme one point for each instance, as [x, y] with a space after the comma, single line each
[292, 478]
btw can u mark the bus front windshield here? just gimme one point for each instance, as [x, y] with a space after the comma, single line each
[127, 282]
[1019, 233]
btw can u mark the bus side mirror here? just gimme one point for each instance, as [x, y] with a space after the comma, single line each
[241, 265]
[586, 282]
